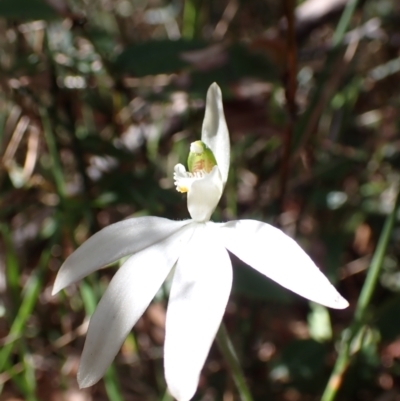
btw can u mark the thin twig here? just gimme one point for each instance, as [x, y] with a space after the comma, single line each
[291, 87]
[227, 17]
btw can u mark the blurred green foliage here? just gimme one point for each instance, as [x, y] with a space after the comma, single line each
[99, 101]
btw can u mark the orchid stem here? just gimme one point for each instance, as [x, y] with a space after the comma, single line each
[345, 353]
[167, 396]
[229, 353]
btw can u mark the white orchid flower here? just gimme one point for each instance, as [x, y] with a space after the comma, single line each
[202, 279]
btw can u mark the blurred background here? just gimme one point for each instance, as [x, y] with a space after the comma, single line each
[100, 99]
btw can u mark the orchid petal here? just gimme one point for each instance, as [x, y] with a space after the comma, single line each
[113, 243]
[276, 255]
[215, 132]
[126, 298]
[204, 195]
[199, 294]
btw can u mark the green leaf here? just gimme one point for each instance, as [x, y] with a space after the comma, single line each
[155, 57]
[26, 10]
[240, 63]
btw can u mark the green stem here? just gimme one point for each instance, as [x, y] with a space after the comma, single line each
[229, 353]
[344, 22]
[376, 263]
[28, 302]
[189, 19]
[360, 313]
